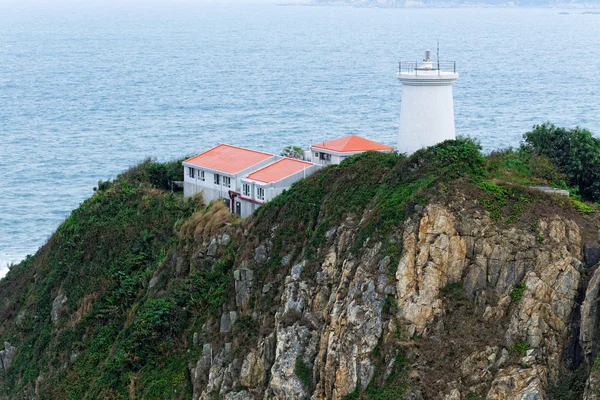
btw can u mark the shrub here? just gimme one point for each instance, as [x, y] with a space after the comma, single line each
[293, 152]
[574, 151]
[517, 292]
[520, 347]
[452, 158]
[583, 208]
[304, 373]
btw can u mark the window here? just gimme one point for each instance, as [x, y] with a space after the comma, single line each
[191, 172]
[217, 179]
[246, 190]
[201, 175]
[260, 193]
[325, 157]
[316, 155]
[227, 181]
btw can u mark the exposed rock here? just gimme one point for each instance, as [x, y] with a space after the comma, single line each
[7, 356]
[20, 320]
[519, 384]
[592, 386]
[591, 255]
[58, 308]
[212, 248]
[260, 254]
[227, 321]
[253, 370]
[434, 254]
[199, 372]
[590, 323]
[153, 281]
[454, 395]
[243, 286]
[224, 239]
[241, 395]
[285, 260]
[267, 287]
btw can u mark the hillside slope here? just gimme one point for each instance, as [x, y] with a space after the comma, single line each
[438, 276]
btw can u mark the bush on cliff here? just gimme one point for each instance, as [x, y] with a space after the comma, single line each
[574, 151]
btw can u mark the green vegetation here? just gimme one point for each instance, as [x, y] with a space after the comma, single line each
[103, 257]
[520, 347]
[304, 373]
[394, 385]
[584, 208]
[575, 152]
[504, 202]
[293, 152]
[517, 292]
[570, 386]
[523, 168]
[454, 291]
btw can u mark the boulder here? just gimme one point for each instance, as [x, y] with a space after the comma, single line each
[7, 356]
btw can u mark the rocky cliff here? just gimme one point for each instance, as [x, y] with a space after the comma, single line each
[383, 278]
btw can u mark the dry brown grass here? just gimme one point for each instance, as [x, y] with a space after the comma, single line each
[83, 307]
[207, 222]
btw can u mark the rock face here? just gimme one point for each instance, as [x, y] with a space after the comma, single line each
[243, 286]
[353, 322]
[7, 356]
[58, 308]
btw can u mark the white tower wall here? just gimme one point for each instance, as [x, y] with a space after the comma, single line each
[427, 109]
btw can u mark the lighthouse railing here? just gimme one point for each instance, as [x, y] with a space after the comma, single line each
[416, 67]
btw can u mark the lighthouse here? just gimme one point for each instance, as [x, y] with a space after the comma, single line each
[427, 110]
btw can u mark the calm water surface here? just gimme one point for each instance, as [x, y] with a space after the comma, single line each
[86, 92]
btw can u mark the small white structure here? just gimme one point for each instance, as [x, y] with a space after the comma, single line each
[218, 171]
[334, 151]
[264, 184]
[427, 110]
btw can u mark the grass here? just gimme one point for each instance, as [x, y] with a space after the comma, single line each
[583, 207]
[520, 347]
[505, 203]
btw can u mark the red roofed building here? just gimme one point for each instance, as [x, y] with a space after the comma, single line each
[264, 184]
[217, 171]
[334, 151]
[246, 179]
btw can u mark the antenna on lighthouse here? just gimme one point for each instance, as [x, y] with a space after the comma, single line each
[438, 54]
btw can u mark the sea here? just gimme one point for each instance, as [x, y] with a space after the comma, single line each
[89, 89]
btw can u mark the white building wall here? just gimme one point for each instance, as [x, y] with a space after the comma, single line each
[212, 191]
[427, 111]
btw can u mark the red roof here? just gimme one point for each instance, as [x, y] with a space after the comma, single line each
[351, 144]
[228, 159]
[279, 170]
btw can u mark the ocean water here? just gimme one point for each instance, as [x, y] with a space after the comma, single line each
[87, 91]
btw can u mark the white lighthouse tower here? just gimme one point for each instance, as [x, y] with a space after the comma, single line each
[427, 111]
